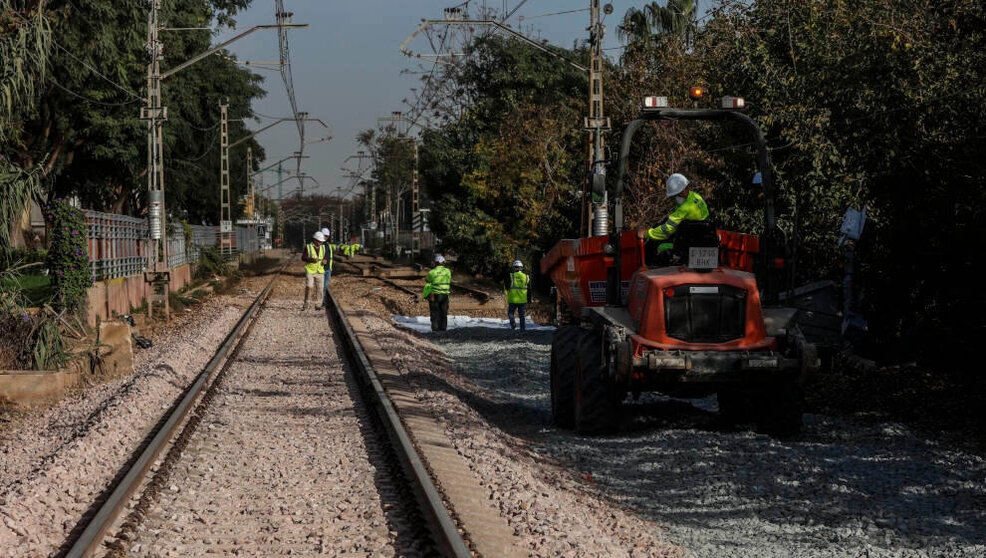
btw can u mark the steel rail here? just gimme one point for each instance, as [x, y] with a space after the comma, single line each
[482, 296]
[442, 527]
[97, 526]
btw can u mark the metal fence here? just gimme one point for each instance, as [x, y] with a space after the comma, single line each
[182, 251]
[118, 244]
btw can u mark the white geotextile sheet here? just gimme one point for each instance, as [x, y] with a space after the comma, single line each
[423, 323]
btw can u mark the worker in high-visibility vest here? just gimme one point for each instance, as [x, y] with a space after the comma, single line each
[690, 207]
[329, 252]
[315, 261]
[516, 289]
[438, 285]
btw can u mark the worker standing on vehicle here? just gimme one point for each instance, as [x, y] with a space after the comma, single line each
[516, 288]
[691, 207]
[438, 285]
[329, 253]
[315, 260]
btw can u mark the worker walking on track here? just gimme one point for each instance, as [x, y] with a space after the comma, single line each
[329, 253]
[516, 288]
[438, 285]
[315, 260]
[691, 207]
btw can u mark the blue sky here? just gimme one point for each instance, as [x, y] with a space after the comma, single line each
[347, 67]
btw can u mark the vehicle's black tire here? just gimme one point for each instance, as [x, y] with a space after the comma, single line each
[736, 406]
[597, 398]
[563, 359]
[780, 408]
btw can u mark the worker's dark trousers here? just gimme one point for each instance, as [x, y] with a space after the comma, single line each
[439, 312]
[521, 313]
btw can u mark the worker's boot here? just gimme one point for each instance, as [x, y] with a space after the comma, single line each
[305, 305]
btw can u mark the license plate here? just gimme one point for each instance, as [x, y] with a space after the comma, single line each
[762, 363]
[703, 258]
[703, 290]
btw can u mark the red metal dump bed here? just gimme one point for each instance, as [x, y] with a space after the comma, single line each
[578, 266]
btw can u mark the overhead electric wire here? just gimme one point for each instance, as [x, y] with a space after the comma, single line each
[208, 150]
[89, 99]
[525, 18]
[97, 72]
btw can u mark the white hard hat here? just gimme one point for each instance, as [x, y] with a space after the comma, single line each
[439, 258]
[326, 233]
[319, 236]
[676, 184]
[518, 263]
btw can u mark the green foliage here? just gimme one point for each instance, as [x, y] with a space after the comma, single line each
[48, 351]
[24, 45]
[86, 133]
[212, 264]
[68, 258]
[26, 340]
[651, 25]
[506, 174]
[881, 104]
[18, 256]
[36, 289]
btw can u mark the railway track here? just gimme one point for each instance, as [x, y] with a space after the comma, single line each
[388, 273]
[277, 449]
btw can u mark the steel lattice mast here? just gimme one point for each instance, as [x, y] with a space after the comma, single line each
[282, 17]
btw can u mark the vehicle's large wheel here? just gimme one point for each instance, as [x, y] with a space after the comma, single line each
[780, 408]
[597, 398]
[563, 358]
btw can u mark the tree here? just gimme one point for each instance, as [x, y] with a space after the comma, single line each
[87, 129]
[651, 25]
[878, 104]
[506, 174]
[24, 48]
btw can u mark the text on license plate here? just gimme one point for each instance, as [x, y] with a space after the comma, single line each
[703, 258]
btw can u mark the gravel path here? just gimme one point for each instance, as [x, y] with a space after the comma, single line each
[844, 488]
[282, 460]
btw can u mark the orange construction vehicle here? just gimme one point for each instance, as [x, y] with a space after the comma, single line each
[708, 322]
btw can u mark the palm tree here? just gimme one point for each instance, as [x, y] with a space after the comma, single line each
[651, 24]
[635, 28]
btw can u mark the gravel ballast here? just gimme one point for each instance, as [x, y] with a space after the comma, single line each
[54, 462]
[280, 461]
[551, 510]
[845, 487]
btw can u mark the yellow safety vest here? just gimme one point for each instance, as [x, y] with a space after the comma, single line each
[519, 282]
[438, 281]
[319, 254]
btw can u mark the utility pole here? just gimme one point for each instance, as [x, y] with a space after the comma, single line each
[251, 201]
[158, 274]
[596, 123]
[225, 209]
